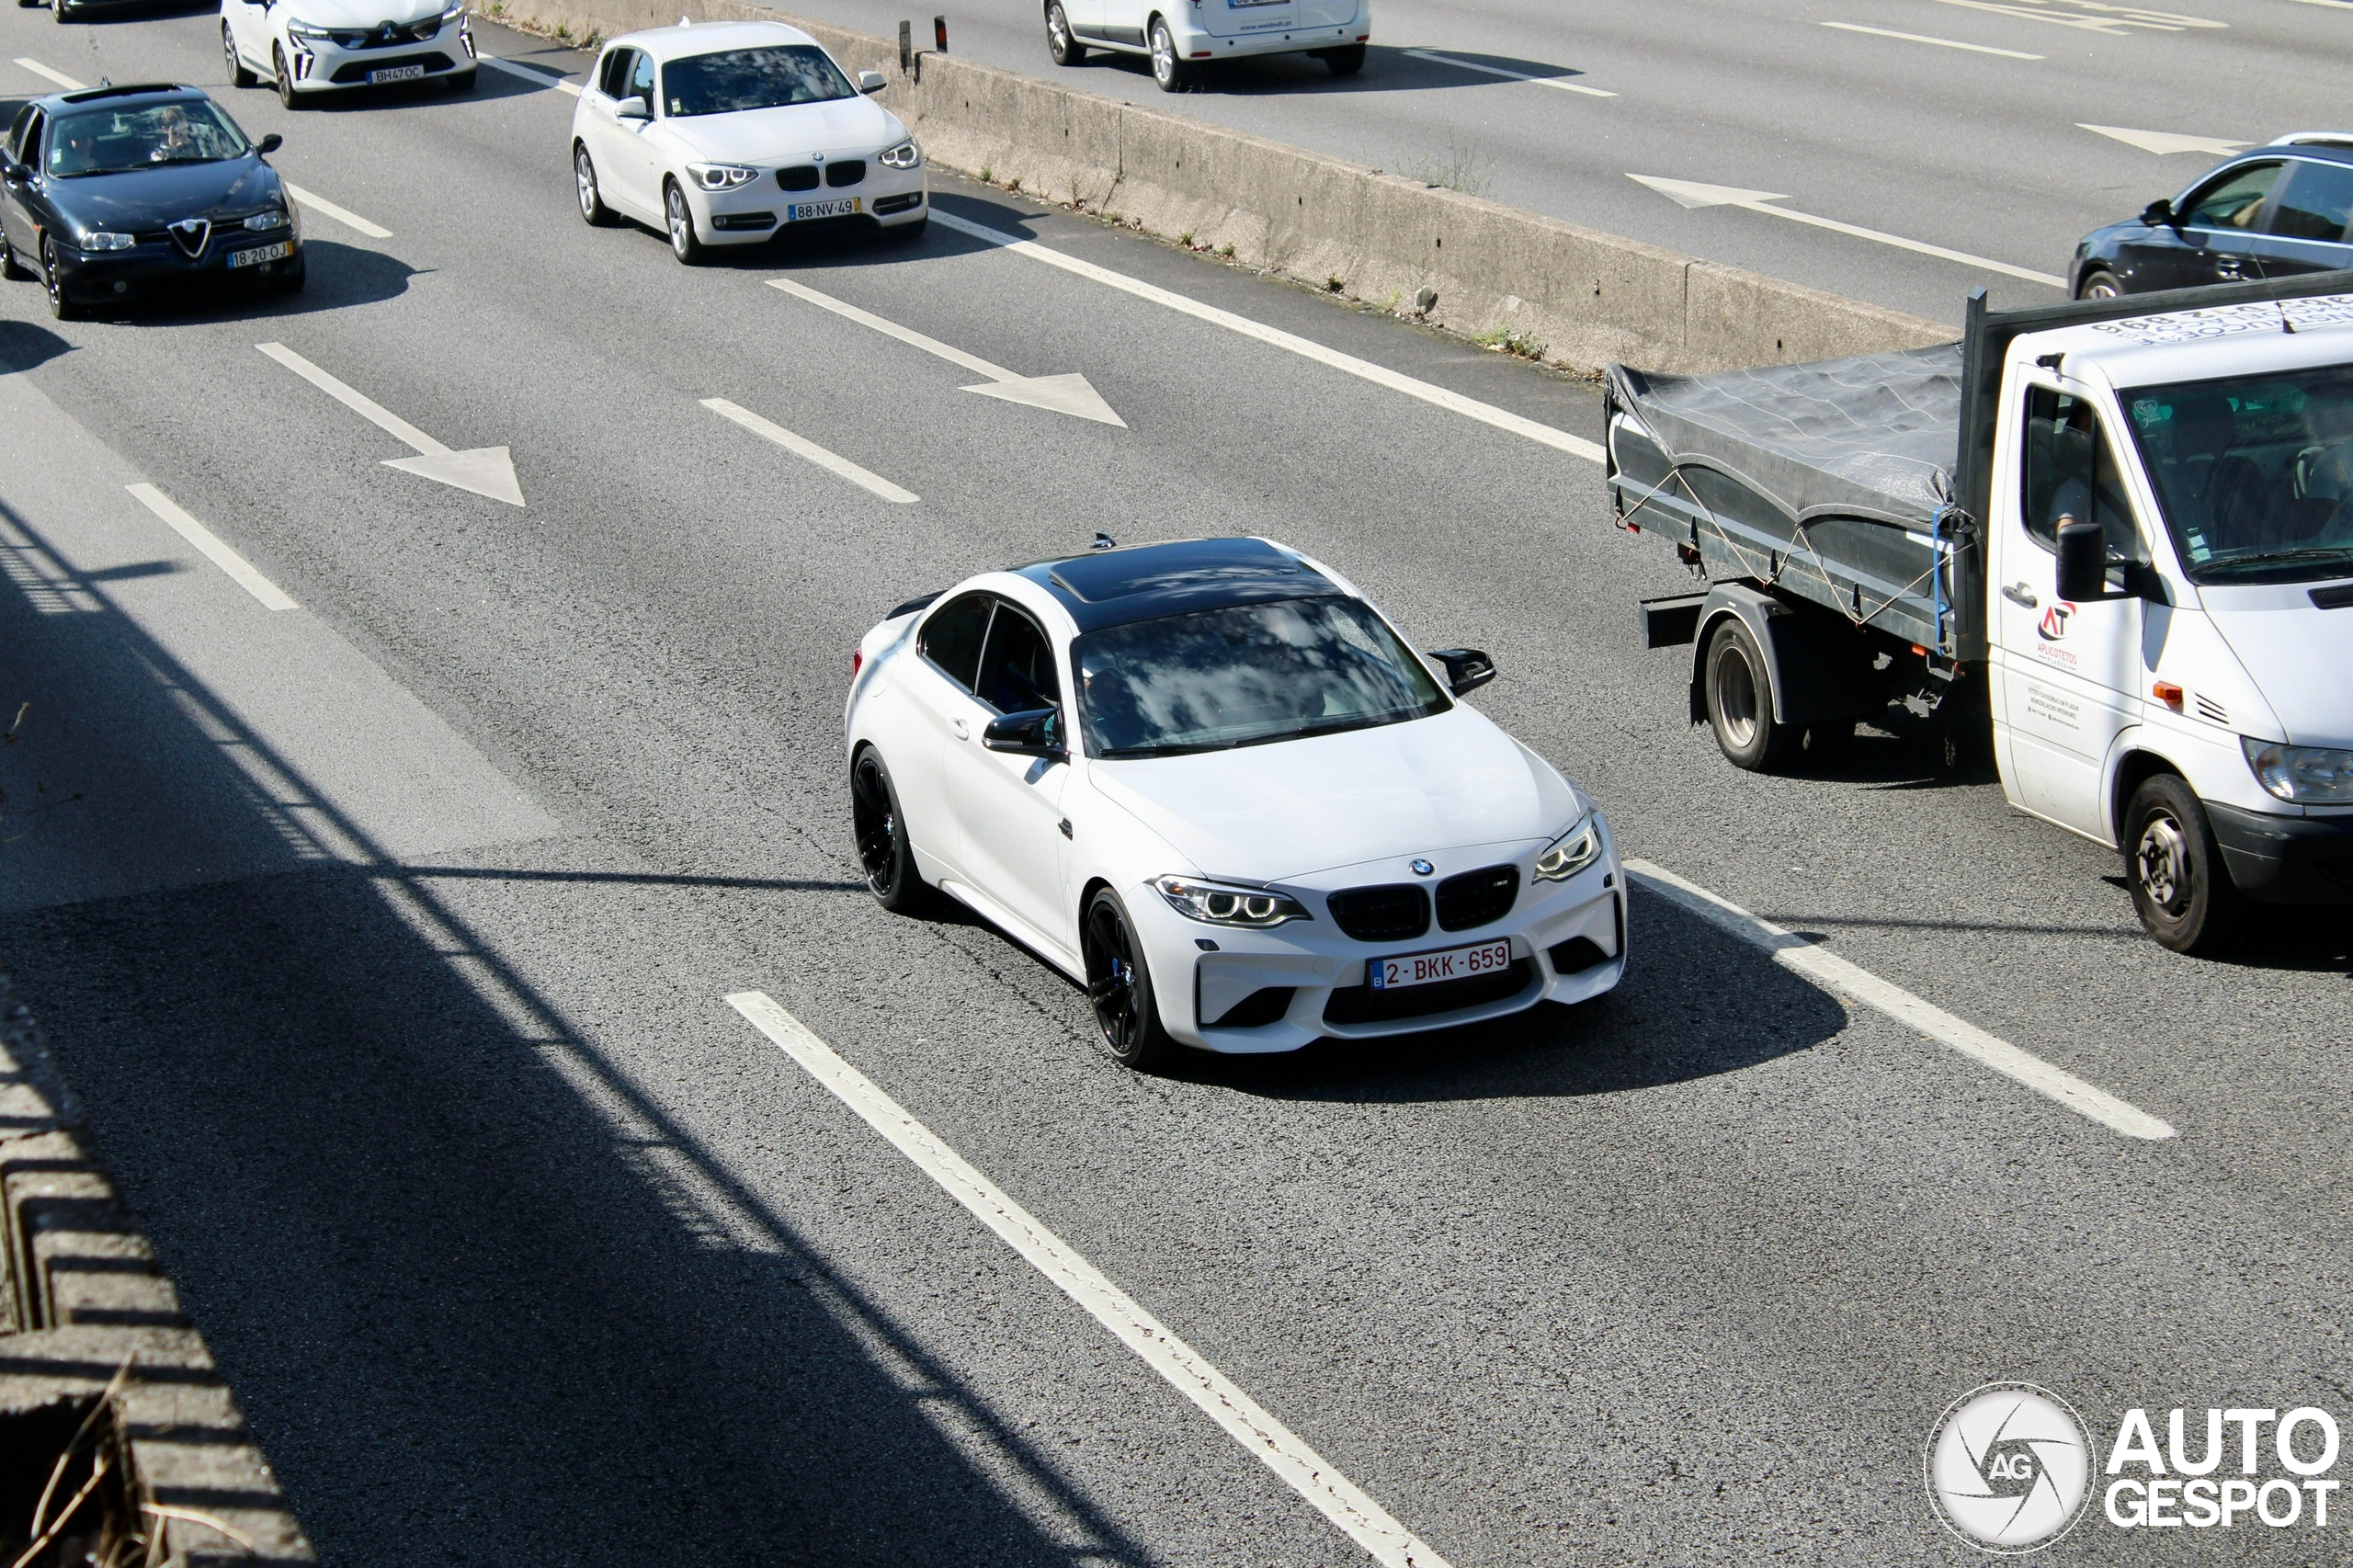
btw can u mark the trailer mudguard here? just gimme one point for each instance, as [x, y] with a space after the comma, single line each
[1819, 665]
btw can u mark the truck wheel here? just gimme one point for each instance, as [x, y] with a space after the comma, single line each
[2180, 886]
[1740, 702]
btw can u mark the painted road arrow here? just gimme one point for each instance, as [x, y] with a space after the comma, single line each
[1069, 394]
[2163, 142]
[1690, 193]
[484, 471]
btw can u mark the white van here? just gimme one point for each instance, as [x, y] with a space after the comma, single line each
[1180, 35]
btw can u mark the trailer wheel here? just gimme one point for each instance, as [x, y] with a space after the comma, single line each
[2181, 889]
[1740, 702]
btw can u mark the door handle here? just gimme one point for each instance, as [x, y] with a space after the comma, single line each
[963, 731]
[2019, 595]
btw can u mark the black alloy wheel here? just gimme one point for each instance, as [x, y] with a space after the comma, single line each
[59, 307]
[1061, 42]
[1740, 702]
[286, 93]
[1172, 74]
[1118, 985]
[239, 76]
[593, 211]
[886, 853]
[2181, 889]
[1346, 61]
[683, 242]
[2099, 283]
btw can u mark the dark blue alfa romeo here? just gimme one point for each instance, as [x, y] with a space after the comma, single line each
[115, 193]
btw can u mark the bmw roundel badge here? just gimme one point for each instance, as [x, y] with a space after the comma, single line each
[1423, 869]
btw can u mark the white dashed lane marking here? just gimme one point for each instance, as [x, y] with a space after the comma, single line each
[210, 546]
[801, 447]
[343, 216]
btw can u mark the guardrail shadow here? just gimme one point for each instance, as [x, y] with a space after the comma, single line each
[1696, 1003]
[482, 1300]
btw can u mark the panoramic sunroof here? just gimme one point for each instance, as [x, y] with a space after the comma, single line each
[1186, 565]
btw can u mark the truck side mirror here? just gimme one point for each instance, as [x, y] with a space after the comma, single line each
[1466, 669]
[1038, 733]
[2083, 561]
[2158, 214]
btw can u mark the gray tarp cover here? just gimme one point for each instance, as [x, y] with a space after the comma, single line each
[1873, 437]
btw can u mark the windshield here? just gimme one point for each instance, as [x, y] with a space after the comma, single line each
[112, 140]
[753, 78]
[2255, 472]
[1243, 676]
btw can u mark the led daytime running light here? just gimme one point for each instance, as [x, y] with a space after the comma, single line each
[1215, 904]
[1572, 852]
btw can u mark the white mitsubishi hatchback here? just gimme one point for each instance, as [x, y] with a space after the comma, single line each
[724, 133]
[311, 48]
[1209, 782]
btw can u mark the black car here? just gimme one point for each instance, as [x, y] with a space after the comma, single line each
[114, 193]
[2272, 211]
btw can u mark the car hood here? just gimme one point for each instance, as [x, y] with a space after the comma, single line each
[1273, 813]
[856, 125]
[149, 199]
[2299, 655]
[365, 13]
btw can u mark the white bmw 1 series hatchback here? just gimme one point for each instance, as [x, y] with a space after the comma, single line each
[1208, 780]
[724, 133]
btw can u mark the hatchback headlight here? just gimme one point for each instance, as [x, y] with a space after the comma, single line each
[100, 239]
[2307, 775]
[1220, 904]
[454, 14]
[721, 177]
[266, 221]
[905, 155]
[1572, 852]
[308, 30]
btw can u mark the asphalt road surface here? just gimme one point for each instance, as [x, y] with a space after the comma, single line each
[1963, 130]
[388, 939]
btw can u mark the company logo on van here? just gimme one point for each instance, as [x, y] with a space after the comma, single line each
[2054, 620]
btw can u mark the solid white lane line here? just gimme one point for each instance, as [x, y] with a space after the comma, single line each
[528, 75]
[800, 445]
[37, 69]
[1940, 42]
[907, 334]
[2112, 25]
[1514, 75]
[210, 544]
[1841, 978]
[368, 408]
[1692, 193]
[1280, 1449]
[1379, 375]
[343, 216]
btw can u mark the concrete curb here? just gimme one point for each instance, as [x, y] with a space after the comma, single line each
[1586, 297]
[85, 1293]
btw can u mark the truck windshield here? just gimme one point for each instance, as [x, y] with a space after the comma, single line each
[1246, 675]
[2255, 472]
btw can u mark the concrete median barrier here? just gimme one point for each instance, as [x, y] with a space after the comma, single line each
[1579, 296]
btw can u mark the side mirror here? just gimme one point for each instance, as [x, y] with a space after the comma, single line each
[269, 143]
[2083, 561]
[1038, 733]
[1466, 669]
[14, 174]
[633, 109]
[870, 82]
[2158, 214]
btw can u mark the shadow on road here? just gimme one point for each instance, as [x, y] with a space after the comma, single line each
[1387, 69]
[481, 1298]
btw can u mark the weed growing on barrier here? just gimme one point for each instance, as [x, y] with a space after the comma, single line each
[1510, 340]
[1227, 250]
[1463, 167]
[986, 177]
[1333, 283]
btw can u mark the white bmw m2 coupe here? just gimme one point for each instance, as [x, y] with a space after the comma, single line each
[1210, 782]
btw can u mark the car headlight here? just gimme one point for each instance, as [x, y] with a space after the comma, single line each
[454, 14]
[1219, 904]
[721, 177]
[266, 221]
[1572, 852]
[310, 32]
[2307, 775]
[100, 239]
[905, 155]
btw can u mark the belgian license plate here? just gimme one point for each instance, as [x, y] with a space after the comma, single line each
[1427, 968]
[796, 211]
[259, 253]
[396, 74]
